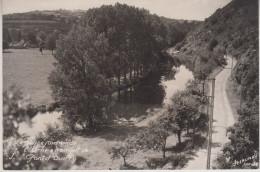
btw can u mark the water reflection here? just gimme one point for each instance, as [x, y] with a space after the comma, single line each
[152, 92]
[181, 77]
[150, 89]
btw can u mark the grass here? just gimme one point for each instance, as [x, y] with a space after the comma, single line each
[29, 69]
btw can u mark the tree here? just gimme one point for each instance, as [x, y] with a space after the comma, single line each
[121, 149]
[51, 42]
[243, 141]
[28, 34]
[6, 35]
[5, 45]
[183, 110]
[42, 35]
[19, 36]
[153, 137]
[14, 111]
[76, 82]
[136, 39]
[31, 37]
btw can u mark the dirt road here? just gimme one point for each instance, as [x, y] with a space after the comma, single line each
[222, 118]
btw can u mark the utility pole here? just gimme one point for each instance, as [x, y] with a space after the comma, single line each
[211, 104]
[231, 66]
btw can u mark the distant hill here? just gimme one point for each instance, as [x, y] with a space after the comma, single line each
[47, 21]
[62, 21]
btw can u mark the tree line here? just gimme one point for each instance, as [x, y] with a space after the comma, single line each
[29, 36]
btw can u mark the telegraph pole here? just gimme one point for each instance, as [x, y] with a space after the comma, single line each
[231, 66]
[211, 105]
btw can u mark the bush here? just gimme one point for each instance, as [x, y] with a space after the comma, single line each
[54, 133]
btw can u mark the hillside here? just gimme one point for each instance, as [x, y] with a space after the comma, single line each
[46, 21]
[232, 30]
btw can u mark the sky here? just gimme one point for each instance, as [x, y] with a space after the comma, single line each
[177, 9]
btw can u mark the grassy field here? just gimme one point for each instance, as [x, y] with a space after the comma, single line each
[29, 69]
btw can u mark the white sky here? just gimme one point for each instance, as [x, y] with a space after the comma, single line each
[178, 9]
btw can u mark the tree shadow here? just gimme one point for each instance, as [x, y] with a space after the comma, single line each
[154, 163]
[129, 167]
[115, 132]
[131, 110]
[7, 52]
[174, 161]
[199, 142]
[80, 160]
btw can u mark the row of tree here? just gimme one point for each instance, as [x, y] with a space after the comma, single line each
[109, 42]
[186, 111]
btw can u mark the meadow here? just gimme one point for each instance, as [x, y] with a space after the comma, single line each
[29, 70]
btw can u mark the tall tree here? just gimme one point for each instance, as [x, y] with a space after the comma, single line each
[51, 42]
[183, 110]
[77, 81]
[5, 45]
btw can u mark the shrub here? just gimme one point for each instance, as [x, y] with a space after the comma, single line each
[54, 133]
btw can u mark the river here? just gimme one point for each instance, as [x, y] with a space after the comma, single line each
[153, 92]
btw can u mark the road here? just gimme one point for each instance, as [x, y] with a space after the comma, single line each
[222, 119]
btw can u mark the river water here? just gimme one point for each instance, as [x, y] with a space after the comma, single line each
[154, 92]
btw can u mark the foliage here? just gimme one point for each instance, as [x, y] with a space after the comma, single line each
[51, 42]
[5, 45]
[6, 35]
[14, 111]
[212, 44]
[153, 137]
[243, 141]
[107, 42]
[121, 149]
[240, 32]
[183, 110]
[76, 81]
[54, 133]
[42, 35]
